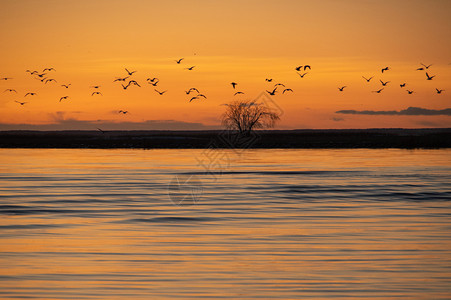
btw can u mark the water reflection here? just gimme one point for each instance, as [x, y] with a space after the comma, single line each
[100, 224]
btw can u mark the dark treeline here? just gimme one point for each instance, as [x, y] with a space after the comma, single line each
[347, 138]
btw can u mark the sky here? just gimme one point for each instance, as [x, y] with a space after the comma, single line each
[90, 43]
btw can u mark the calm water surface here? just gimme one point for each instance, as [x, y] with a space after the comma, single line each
[197, 224]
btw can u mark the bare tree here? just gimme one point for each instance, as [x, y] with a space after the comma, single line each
[245, 116]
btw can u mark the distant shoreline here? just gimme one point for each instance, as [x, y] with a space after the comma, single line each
[428, 138]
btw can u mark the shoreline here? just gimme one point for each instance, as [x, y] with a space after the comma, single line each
[428, 138]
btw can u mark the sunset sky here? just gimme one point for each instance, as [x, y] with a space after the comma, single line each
[91, 42]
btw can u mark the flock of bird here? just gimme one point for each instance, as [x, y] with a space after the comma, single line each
[402, 85]
[127, 82]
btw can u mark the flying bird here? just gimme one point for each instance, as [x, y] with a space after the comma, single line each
[420, 69]
[5, 78]
[190, 68]
[10, 90]
[367, 79]
[49, 80]
[307, 67]
[429, 77]
[21, 103]
[268, 79]
[403, 84]
[427, 67]
[152, 79]
[385, 69]
[277, 84]
[48, 69]
[238, 93]
[191, 90]
[31, 94]
[123, 112]
[120, 79]
[378, 91]
[302, 75]
[439, 91]
[161, 93]
[96, 93]
[298, 68]
[273, 91]
[193, 98]
[287, 90]
[341, 88]
[63, 98]
[201, 95]
[95, 86]
[66, 85]
[410, 92]
[178, 61]
[41, 75]
[233, 84]
[130, 73]
[125, 86]
[133, 82]
[384, 83]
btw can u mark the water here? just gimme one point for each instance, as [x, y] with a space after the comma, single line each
[198, 224]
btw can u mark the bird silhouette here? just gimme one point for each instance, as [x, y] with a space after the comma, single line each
[429, 77]
[367, 79]
[21, 103]
[273, 92]
[49, 80]
[130, 73]
[43, 79]
[281, 84]
[48, 69]
[268, 79]
[41, 75]
[31, 94]
[439, 91]
[193, 98]
[31, 72]
[420, 69]
[123, 112]
[10, 90]
[384, 83]
[178, 61]
[385, 69]
[302, 75]
[287, 90]
[133, 82]
[307, 67]
[403, 84]
[233, 84]
[341, 88]
[6, 78]
[191, 90]
[66, 85]
[427, 67]
[190, 68]
[409, 92]
[201, 95]
[125, 86]
[298, 68]
[63, 98]
[378, 91]
[238, 93]
[161, 93]
[120, 79]
[153, 83]
[102, 131]
[96, 93]
[95, 86]
[152, 79]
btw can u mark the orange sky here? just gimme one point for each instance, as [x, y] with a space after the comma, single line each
[91, 42]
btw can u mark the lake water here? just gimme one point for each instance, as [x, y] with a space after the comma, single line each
[222, 224]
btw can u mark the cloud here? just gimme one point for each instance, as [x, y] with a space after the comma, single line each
[411, 111]
[73, 124]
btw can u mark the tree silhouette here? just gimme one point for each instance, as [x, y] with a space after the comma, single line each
[245, 116]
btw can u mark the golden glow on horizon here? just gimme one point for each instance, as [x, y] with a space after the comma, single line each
[91, 42]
